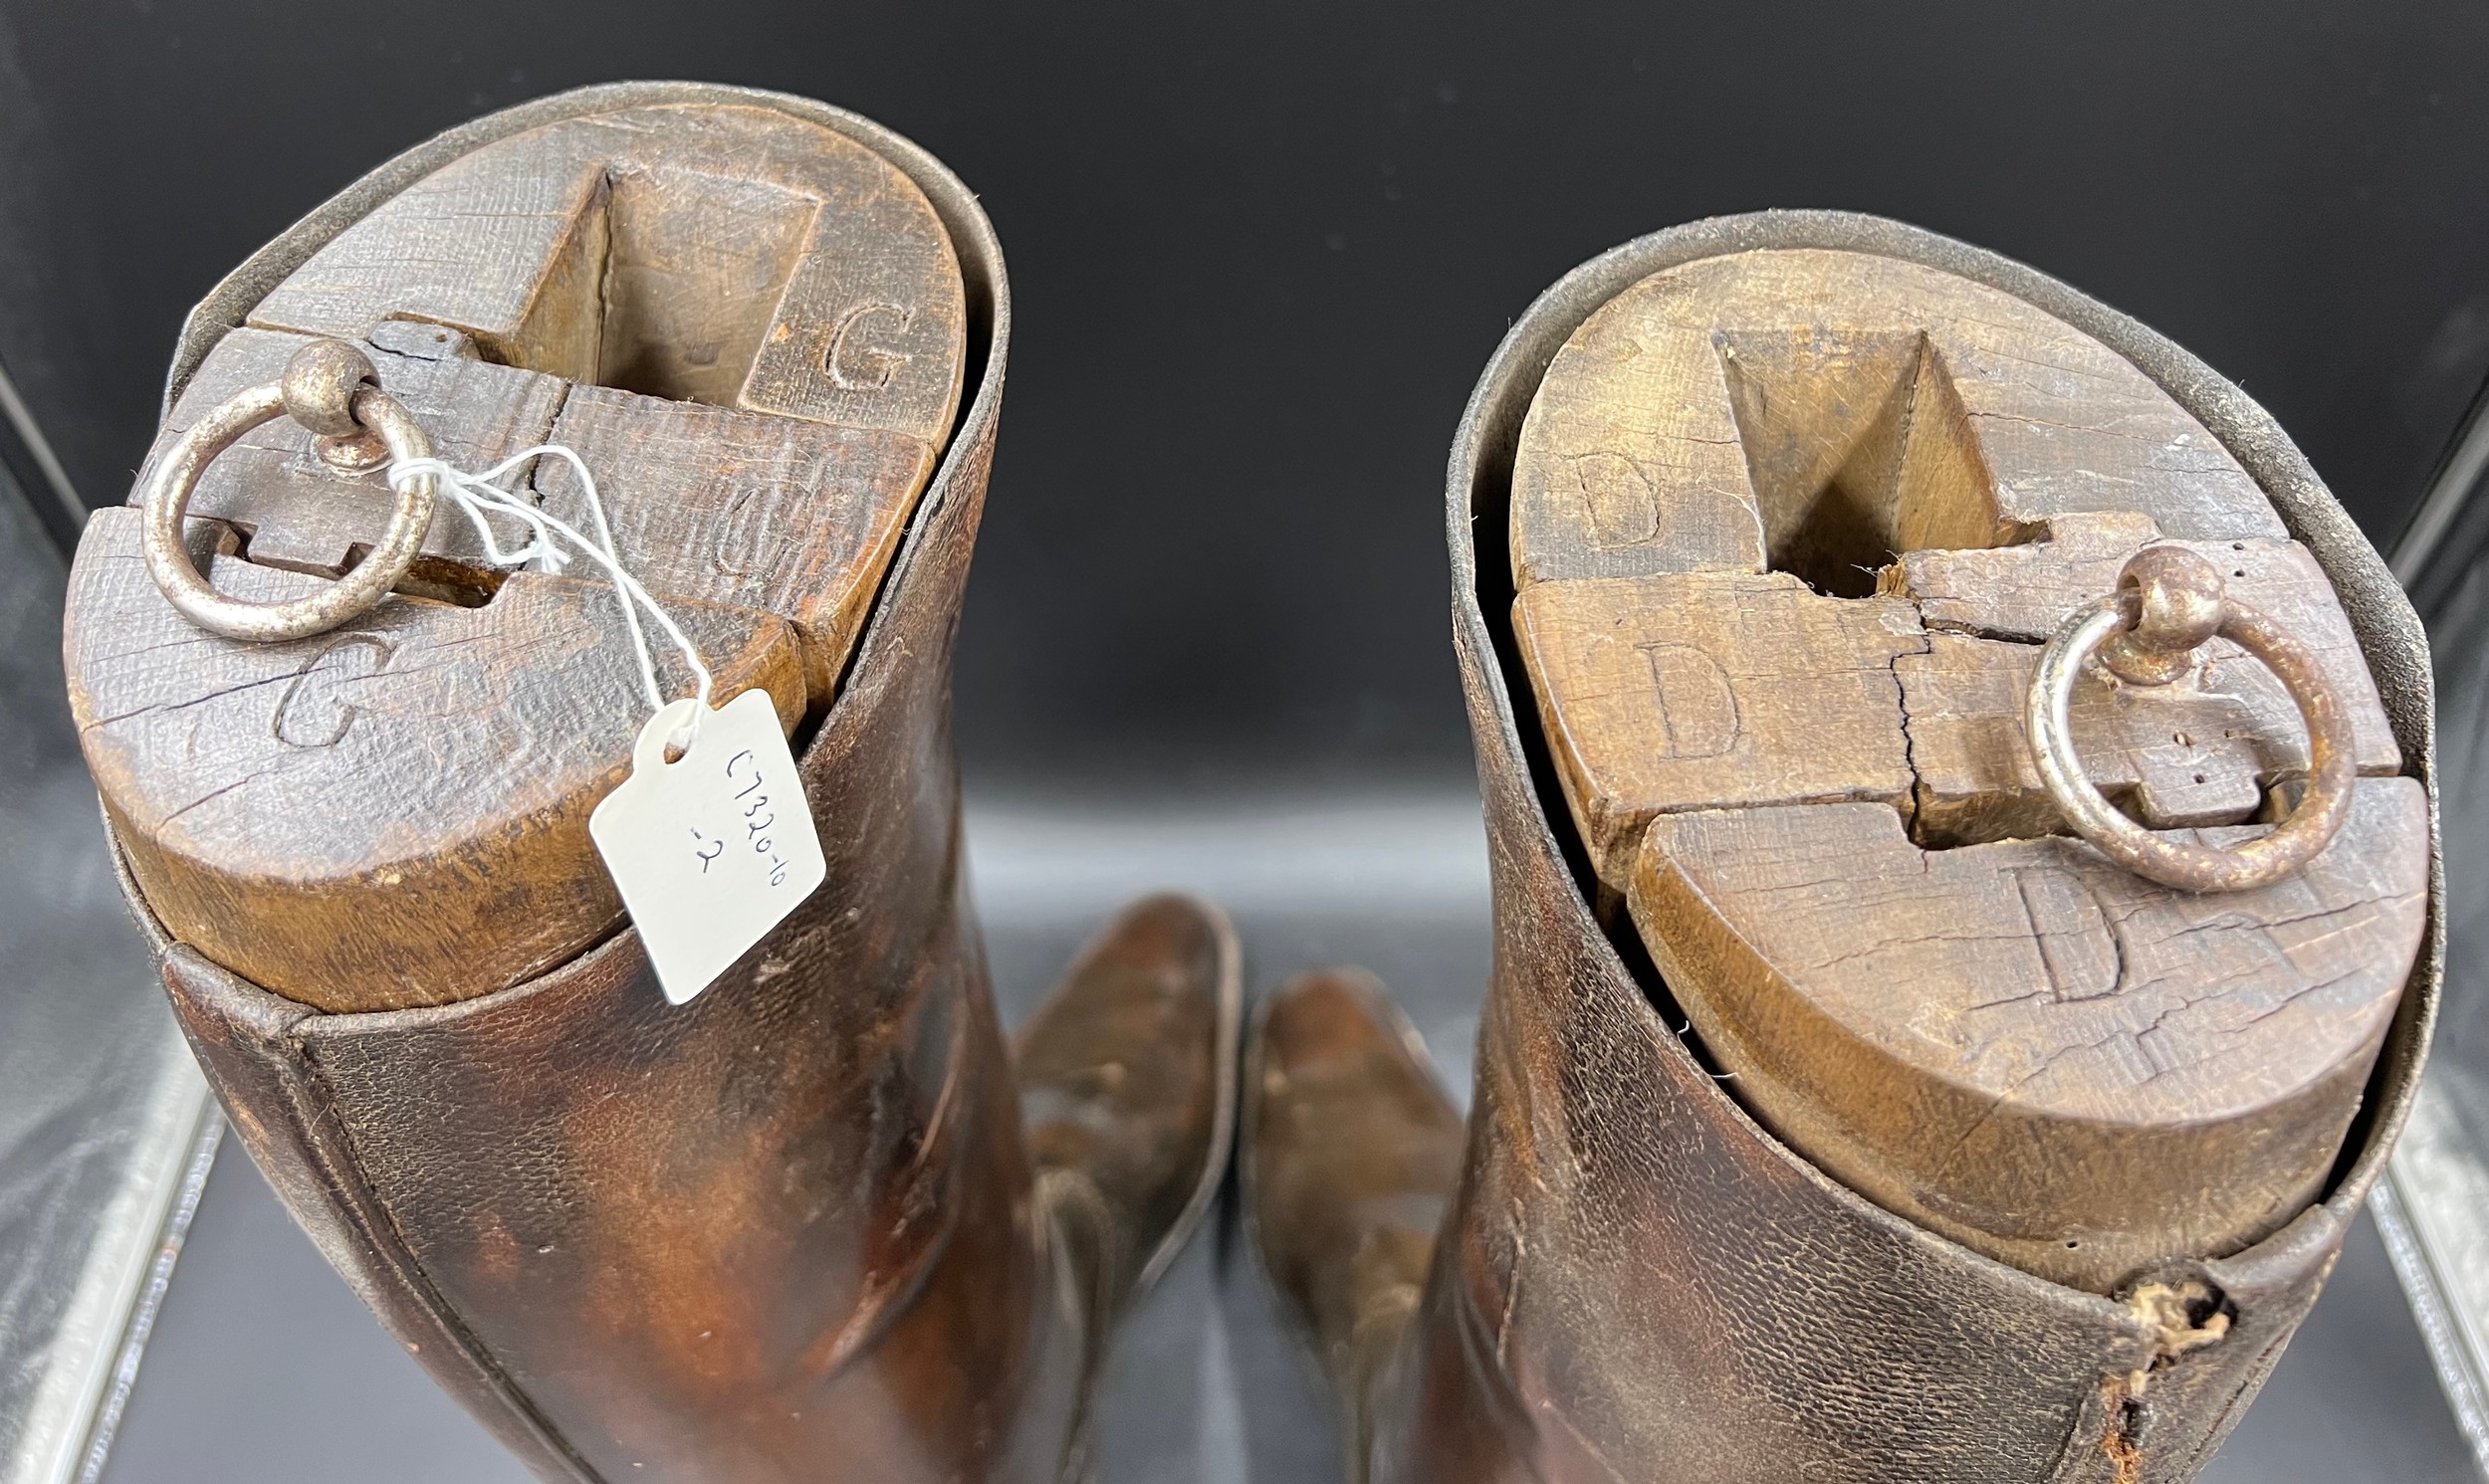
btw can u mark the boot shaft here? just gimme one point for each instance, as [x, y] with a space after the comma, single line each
[1636, 1279]
[785, 1231]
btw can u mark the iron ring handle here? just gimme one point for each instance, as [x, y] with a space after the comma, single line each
[2169, 602]
[329, 388]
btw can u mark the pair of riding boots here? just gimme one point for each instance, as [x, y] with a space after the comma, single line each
[1840, 1115]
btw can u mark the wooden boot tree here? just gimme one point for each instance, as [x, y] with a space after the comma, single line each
[750, 327]
[1789, 529]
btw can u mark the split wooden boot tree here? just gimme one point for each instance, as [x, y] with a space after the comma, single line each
[752, 330]
[1789, 532]
[794, 1228]
[818, 1221]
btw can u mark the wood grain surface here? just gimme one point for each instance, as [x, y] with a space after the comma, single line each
[1716, 688]
[735, 256]
[391, 813]
[748, 507]
[752, 326]
[1788, 530]
[2092, 1072]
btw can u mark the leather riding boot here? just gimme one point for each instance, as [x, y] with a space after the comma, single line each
[788, 1230]
[1676, 1248]
[1127, 1090]
[1351, 1153]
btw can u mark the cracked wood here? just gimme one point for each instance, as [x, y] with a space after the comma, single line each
[391, 813]
[752, 327]
[1787, 531]
[2021, 1045]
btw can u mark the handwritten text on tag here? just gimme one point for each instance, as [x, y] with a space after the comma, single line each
[713, 850]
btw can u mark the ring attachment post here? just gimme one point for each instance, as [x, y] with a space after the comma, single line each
[2169, 602]
[329, 387]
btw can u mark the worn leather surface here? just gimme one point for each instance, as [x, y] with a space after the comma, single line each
[1634, 1280]
[1350, 1158]
[1127, 1096]
[1127, 1080]
[785, 1232]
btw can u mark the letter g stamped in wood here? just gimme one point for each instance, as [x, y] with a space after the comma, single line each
[853, 360]
[302, 720]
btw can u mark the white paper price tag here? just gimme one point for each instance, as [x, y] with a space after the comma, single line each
[714, 849]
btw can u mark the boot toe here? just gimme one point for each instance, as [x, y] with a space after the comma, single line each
[1351, 1151]
[1127, 1079]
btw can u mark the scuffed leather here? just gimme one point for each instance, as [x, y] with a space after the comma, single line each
[1127, 1099]
[1127, 1083]
[1636, 1282]
[1351, 1153]
[785, 1232]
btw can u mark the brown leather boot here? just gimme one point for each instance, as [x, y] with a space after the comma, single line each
[1350, 1155]
[788, 1232]
[1127, 1092]
[1641, 1274]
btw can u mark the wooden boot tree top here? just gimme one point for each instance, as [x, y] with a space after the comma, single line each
[751, 328]
[1790, 530]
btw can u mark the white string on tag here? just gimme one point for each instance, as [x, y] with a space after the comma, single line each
[710, 853]
[478, 496]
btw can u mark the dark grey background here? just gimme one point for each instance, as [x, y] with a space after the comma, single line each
[1260, 249]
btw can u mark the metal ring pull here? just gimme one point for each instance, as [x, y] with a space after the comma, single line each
[329, 387]
[2169, 602]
